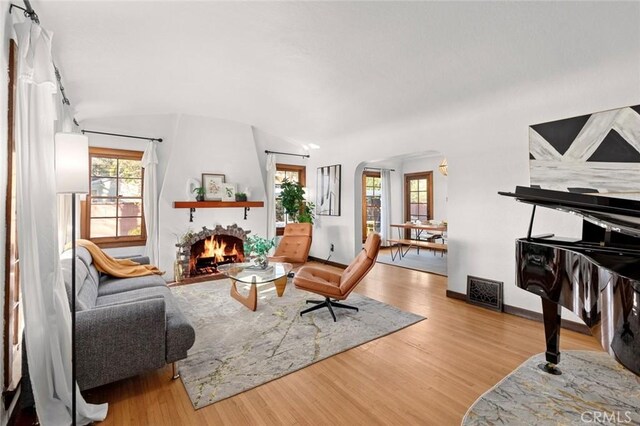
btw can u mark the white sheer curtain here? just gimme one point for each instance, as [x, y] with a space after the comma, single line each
[271, 198]
[150, 201]
[46, 306]
[385, 205]
[64, 124]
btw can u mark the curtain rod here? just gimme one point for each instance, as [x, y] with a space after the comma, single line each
[378, 168]
[28, 11]
[31, 14]
[287, 153]
[122, 136]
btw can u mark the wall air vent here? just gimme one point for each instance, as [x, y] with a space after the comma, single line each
[484, 292]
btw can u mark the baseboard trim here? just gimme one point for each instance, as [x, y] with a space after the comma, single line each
[531, 315]
[328, 262]
[456, 295]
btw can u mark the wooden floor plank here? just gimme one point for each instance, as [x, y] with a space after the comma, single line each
[428, 373]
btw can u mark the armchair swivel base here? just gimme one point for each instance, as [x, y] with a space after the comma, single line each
[330, 304]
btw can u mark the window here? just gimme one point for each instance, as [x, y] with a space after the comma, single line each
[418, 189]
[371, 188]
[113, 214]
[292, 173]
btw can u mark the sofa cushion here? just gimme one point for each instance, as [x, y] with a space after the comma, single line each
[86, 285]
[111, 285]
[180, 333]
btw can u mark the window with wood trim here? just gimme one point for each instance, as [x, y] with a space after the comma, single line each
[113, 214]
[371, 192]
[418, 196]
[292, 173]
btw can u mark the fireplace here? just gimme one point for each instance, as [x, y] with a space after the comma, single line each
[200, 254]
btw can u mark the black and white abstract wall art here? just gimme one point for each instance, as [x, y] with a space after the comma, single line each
[595, 153]
[328, 190]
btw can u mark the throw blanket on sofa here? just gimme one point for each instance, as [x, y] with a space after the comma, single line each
[120, 268]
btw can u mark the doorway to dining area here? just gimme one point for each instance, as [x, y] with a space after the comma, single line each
[412, 216]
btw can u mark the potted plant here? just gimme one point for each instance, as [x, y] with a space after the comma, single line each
[294, 204]
[241, 196]
[258, 247]
[199, 193]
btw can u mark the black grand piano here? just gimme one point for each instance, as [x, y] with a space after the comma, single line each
[597, 276]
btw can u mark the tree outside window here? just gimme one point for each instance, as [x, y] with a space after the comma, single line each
[114, 214]
[293, 173]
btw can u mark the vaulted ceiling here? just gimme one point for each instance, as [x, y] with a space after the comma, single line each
[315, 70]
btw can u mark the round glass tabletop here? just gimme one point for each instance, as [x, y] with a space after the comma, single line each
[251, 274]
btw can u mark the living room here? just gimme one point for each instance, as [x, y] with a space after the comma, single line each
[353, 84]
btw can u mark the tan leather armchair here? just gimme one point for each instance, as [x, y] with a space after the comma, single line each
[294, 245]
[337, 286]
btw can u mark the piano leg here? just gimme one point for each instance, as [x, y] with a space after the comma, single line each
[551, 313]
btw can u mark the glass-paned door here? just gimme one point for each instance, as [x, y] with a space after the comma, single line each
[371, 187]
[418, 190]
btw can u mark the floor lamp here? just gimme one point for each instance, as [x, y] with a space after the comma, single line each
[72, 177]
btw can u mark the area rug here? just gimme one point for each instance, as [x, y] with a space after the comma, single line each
[237, 349]
[593, 389]
[426, 261]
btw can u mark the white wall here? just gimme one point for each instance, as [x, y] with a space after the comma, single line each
[216, 146]
[486, 143]
[266, 141]
[191, 146]
[485, 140]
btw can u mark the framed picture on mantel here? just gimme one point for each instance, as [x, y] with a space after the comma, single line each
[213, 186]
[228, 192]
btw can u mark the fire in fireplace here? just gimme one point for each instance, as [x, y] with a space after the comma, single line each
[200, 253]
[215, 250]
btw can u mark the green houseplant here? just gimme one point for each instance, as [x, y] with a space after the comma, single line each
[258, 247]
[241, 196]
[199, 193]
[294, 204]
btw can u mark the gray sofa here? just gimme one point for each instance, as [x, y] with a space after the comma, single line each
[124, 326]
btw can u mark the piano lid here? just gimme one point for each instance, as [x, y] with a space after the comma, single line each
[615, 214]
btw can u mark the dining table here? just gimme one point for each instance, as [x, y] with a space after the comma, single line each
[436, 231]
[419, 228]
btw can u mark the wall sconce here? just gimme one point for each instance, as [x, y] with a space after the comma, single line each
[443, 166]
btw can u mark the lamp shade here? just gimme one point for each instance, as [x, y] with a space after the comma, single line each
[72, 163]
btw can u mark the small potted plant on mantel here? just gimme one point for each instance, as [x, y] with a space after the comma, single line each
[241, 196]
[258, 247]
[199, 193]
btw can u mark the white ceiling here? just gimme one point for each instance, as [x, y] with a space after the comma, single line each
[308, 71]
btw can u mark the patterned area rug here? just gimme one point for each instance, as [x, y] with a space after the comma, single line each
[426, 261]
[593, 389]
[237, 349]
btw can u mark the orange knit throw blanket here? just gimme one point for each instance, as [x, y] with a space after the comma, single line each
[120, 268]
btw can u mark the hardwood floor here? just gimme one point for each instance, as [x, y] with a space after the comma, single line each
[427, 374]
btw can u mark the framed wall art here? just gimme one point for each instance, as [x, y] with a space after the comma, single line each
[592, 153]
[328, 190]
[228, 192]
[212, 184]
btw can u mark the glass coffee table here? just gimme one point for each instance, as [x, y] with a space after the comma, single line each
[250, 274]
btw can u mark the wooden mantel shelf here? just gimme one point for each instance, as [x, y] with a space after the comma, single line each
[193, 205]
[215, 204]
